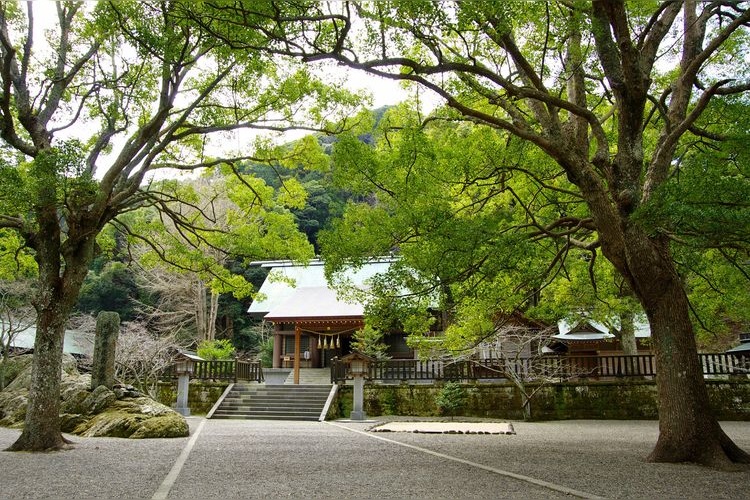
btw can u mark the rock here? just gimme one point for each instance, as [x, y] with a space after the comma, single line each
[23, 378]
[92, 413]
[96, 402]
[73, 392]
[73, 403]
[69, 421]
[135, 418]
[71, 385]
[13, 407]
[13, 366]
[69, 365]
[126, 391]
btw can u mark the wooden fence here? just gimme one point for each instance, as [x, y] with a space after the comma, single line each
[223, 370]
[543, 368]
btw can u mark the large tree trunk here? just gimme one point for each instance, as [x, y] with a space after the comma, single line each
[41, 430]
[200, 310]
[688, 429]
[213, 314]
[206, 311]
[62, 269]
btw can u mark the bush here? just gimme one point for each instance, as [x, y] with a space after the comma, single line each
[266, 353]
[451, 399]
[369, 341]
[214, 350]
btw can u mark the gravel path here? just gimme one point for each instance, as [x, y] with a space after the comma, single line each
[265, 459]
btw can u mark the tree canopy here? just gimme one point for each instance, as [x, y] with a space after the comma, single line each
[589, 120]
[113, 94]
[614, 93]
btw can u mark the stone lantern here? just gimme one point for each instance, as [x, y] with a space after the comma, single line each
[183, 368]
[358, 366]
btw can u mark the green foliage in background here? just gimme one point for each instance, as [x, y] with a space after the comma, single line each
[216, 350]
[451, 399]
[266, 353]
[369, 341]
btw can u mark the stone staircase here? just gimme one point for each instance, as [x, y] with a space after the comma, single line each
[311, 376]
[274, 402]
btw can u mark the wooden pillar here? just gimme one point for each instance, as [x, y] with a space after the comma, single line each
[315, 353]
[277, 347]
[297, 345]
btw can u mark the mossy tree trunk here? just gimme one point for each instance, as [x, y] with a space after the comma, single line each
[58, 291]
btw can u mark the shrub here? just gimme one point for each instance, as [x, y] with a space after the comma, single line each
[369, 341]
[213, 350]
[451, 399]
[266, 353]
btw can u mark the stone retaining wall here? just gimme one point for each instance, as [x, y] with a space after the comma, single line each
[633, 399]
[202, 395]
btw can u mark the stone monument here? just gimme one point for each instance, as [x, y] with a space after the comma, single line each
[105, 345]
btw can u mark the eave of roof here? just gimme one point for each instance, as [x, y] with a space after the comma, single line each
[314, 303]
[583, 337]
[286, 278]
[740, 349]
[642, 328]
[319, 322]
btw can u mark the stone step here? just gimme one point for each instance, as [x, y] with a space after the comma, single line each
[267, 417]
[286, 389]
[283, 388]
[280, 395]
[302, 412]
[274, 402]
[309, 376]
[306, 412]
[258, 410]
[276, 397]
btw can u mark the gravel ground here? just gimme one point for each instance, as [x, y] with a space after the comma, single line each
[266, 459]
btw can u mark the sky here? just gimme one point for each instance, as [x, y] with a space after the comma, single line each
[383, 91]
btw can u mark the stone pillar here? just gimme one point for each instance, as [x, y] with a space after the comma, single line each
[105, 345]
[183, 387]
[358, 412]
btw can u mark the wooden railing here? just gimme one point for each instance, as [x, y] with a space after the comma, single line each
[213, 370]
[223, 370]
[248, 370]
[549, 368]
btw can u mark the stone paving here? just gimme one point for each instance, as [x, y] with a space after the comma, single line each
[277, 459]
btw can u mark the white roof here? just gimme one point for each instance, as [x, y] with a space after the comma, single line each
[585, 336]
[75, 342]
[742, 348]
[598, 331]
[313, 303]
[298, 291]
[190, 355]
